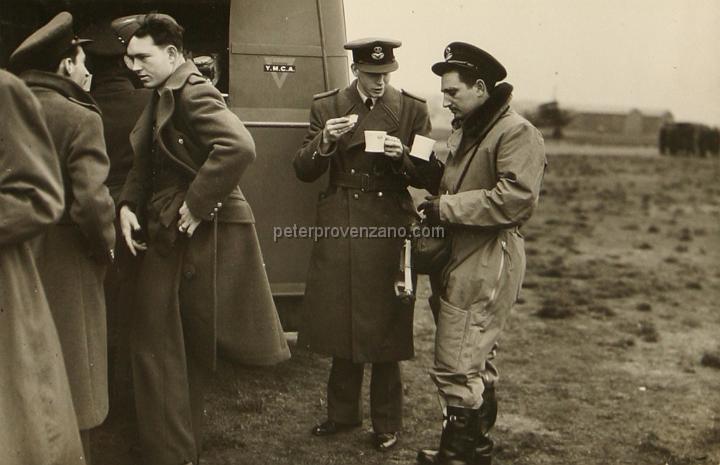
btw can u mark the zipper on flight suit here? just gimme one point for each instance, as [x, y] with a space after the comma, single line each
[493, 293]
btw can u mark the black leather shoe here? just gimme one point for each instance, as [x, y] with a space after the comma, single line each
[329, 427]
[386, 441]
[427, 457]
[483, 455]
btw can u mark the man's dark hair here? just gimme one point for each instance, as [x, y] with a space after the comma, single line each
[470, 76]
[163, 30]
[51, 65]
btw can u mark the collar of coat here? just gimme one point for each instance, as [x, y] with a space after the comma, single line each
[480, 120]
[180, 76]
[62, 85]
[159, 114]
[385, 114]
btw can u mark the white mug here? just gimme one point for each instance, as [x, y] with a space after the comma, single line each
[422, 147]
[375, 141]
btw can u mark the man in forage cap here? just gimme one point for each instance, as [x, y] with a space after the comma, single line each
[489, 189]
[350, 310]
[51, 61]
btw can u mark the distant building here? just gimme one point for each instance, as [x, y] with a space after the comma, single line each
[596, 124]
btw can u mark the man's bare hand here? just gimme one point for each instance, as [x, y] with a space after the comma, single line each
[393, 147]
[128, 224]
[187, 223]
[336, 127]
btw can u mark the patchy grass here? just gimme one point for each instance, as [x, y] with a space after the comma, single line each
[571, 357]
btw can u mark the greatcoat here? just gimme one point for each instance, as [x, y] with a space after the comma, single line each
[503, 158]
[194, 293]
[350, 309]
[121, 105]
[38, 424]
[203, 139]
[72, 255]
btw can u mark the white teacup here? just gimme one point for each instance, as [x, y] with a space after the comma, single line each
[422, 147]
[375, 141]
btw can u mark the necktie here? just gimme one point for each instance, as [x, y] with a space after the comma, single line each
[369, 103]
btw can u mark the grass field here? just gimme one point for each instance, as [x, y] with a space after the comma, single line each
[612, 355]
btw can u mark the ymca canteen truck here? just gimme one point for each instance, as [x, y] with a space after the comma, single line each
[271, 57]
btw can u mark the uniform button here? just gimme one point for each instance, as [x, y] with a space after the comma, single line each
[181, 141]
[356, 196]
[352, 171]
[380, 194]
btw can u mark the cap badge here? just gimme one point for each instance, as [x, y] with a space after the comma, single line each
[377, 53]
[448, 53]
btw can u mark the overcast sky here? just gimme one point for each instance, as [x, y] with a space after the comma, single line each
[648, 54]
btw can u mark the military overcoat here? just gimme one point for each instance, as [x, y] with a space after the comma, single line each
[72, 255]
[38, 424]
[206, 141]
[350, 309]
[121, 105]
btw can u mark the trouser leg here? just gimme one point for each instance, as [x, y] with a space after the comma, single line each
[119, 293]
[344, 390]
[386, 397]
[465, 344]
[160, 366]
[85, 439]
[198, 377]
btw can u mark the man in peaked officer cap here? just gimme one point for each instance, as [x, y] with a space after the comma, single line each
[490, 187]
[350, 310]
[52, 63]
[46, 49]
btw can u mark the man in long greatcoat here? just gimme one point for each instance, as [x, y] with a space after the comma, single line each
[201, 281]
[38, 424]
[350, 309]
[72, 256]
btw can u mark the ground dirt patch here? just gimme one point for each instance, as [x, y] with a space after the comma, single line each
[619, 383]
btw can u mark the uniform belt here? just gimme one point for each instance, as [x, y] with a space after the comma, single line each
[367, 182]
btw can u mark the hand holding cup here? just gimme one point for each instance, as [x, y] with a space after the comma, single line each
[393, 147]
[336, 127]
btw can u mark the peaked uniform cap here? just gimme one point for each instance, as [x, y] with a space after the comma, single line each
[374, 54]
[467, 56]
[45, 47]
[105, 42]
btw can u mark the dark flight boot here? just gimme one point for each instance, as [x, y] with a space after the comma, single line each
[486, 420]
[458, 439]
